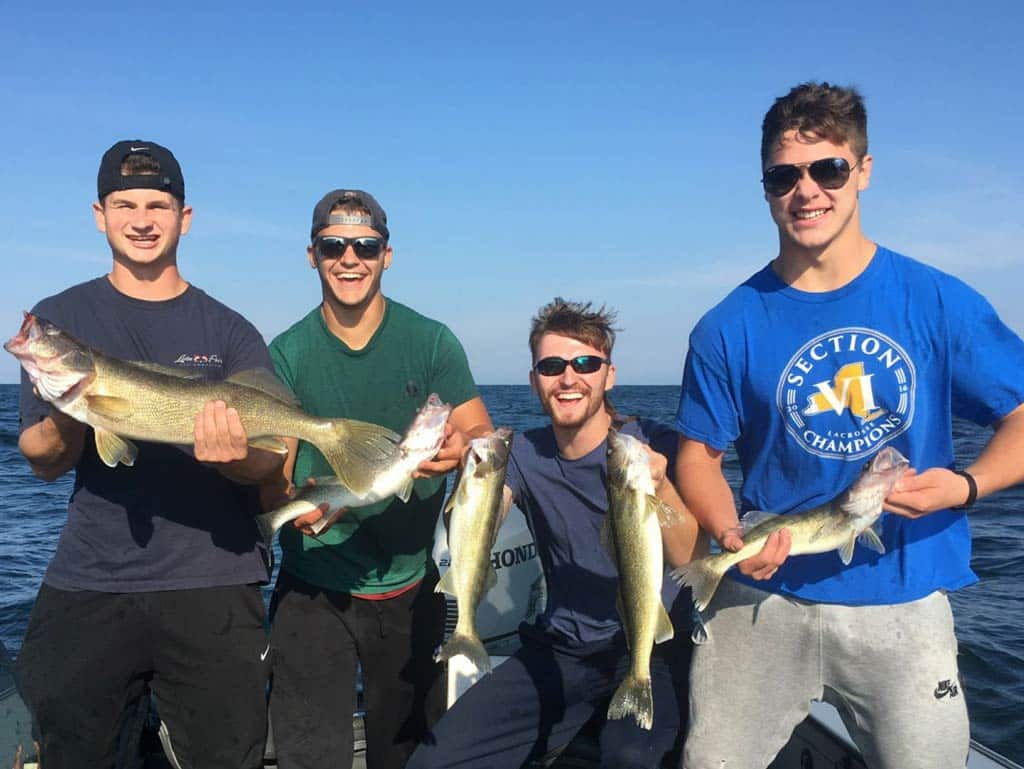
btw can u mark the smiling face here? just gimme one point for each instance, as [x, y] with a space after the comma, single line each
[812, 219]
[575, 402]
[349, 282]
[143, 226]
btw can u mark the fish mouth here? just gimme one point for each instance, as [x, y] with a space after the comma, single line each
[888, 460]
[18, 344]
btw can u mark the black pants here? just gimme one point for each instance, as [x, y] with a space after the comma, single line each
[539, 698]
[318, 637]
[89, 657]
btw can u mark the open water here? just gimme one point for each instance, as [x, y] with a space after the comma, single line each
[989, 615]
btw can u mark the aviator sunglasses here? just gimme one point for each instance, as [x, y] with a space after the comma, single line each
[581, 364]
[333, 247]
[828, 173]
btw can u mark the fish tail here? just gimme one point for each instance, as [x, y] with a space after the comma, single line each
[702, 578]
[354, 449]
[633, 698]
[468, 646]
[268, 523]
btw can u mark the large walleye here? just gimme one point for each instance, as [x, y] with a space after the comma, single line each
[632, 535]
[391, 474]
[837, 525]
[122, 400]
[475, 508]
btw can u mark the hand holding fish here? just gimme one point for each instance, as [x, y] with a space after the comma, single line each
[765, 563]
[918, 494]
[219, 435]
[448, 457]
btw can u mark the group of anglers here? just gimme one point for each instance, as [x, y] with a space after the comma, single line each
[836, 350]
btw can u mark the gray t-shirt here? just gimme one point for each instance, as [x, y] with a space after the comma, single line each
[168, 522]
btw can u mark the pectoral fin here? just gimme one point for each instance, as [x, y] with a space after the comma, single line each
[869, 538]
[664, 630]
[113, 449]
[270, 443]
[447, 583]
[110, 406]
[846, 551]
[406, 491]
[667, 515]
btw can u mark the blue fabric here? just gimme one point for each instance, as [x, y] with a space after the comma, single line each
[565, 502]
[809, 385]
[168, 522]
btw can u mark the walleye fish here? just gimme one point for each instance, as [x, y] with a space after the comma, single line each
[124, 401]
[475, 508]
[837, 525]
[632, 536]
[392, 474]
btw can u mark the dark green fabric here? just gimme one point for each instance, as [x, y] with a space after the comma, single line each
[386, 546]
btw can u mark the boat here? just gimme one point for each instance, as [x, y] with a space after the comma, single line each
[820, 742]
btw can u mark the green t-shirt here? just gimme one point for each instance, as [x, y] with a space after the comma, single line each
[386, 546]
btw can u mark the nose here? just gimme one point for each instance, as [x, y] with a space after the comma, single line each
[568, 376]
[348, 256]
[806, 187]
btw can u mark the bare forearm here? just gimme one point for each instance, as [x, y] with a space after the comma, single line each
[998, 466]
[703, 488]
[258, 467]
[52, 446]
[685, 540]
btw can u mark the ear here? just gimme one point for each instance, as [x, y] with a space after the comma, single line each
[533, 382]
[186, 219]
[310, 256]
[98, 215]
[609, 381]
[388, 253]
[864, 176]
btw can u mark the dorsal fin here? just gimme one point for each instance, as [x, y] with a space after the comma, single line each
[159, 368]
[266, 382]
[754, 517]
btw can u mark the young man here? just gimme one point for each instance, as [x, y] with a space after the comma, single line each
[835, 349]
[363, 590]
[155, 578]
[574, 657]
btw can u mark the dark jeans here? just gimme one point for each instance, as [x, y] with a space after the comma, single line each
[89, 657]
[318, 637]
[539, 699]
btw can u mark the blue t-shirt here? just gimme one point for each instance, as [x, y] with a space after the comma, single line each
[168, 522]
[565, 502]
[808, 386]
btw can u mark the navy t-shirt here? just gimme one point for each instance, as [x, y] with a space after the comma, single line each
[565, 502]
[169, 522]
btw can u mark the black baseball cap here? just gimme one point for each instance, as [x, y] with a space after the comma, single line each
[378, 220]
[110, 178]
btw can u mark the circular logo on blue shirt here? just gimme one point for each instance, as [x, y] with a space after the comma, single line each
[847, 393]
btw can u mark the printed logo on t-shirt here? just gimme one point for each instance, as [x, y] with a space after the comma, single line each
[847, 393]
[196, 360]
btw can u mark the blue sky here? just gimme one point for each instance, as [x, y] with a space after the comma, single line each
[603, 151]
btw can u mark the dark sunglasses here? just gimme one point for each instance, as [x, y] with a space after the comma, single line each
[333, 247]
[828, 173]
[581, 364]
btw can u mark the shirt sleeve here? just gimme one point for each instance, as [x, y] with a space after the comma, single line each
[450, 376]
[707, 412]
[248, 350]
[514, 475]
[987, 360]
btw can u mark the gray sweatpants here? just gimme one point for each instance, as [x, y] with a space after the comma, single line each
[891, 671]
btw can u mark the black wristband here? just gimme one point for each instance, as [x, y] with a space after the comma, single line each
[972, 489]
